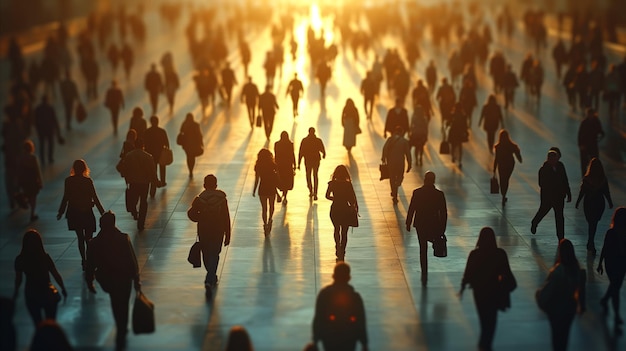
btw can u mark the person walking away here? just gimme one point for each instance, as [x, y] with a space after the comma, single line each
[286, 165]
[312, 150]
[510, 83]
[265, 179]
[155, 140]
[613, 255]
[250, 95]
[47, 126]
[489, 275]
[369, 90]
[114, 101]
[458, 133]
[339, 321]
[554, 187]
[69, 96]
[397, 116]
[192, 141]
[504, 161]
[210, 211]
[395, 151]
[170, 87]
[418, 134]
[268, 107]
[79, 197]
[29, 177]
[428, 214]
[153, 84]
[138, 123]
[350, 123]
[344, 209]
[594, 188]
[228, 82]
[116, 273]
[295, 90]
[491, 114]
[589, 131]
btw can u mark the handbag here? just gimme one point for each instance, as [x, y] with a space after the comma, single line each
[195, 254]
[352, 216]
[180, 139]
[384, 171]
[259, 121]
[143, 315]
[81, 113]
[495, 186]
[440, 246]
[53, 294]
[167, 157]
[444, 148]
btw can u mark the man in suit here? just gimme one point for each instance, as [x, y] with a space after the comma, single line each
[156, 141]
[114, 101]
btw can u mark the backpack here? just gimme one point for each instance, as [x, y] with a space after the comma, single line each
[205, 210]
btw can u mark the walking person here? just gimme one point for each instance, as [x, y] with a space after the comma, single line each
[504, 161]
[285, 164]
[613, 255]
[295, 89]
[397, 116]
[69, 96]
[250, 95]
[418, 134]
[47, 126]
[565, 294]
[509, 85]
[79, 197]
[268, 107]
[395, 151]
[589, 131]
[114, 101]
[489, 275]
[350, 123]
[554, 187]
[339, 321]
[428, 214]
[312, 150]
[138, 123]
[36, 264]
[190, 138]
[155, 141]
[369, 90]
[116, 273]
[229, 80]
[210, 210]
[265, 179]
[29, 177]
[491, 115]
[344, 209]
[129, 143]
[458, 133]
[594, 189]
[170, 86]
[153, 84]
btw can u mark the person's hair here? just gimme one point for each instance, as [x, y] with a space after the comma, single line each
[341, 273]
[107, 220]
[618, 221]
[50, 336]
[491, 100]
[311, 130]
[80, 167]
[554, 154]
[429, 178]
[32, 245]
[29, 146]
[349, 102]
[189, 116]
[557, 150]
[131, 135]
[595, 172]
[210, 182]
[238, 339]
[341, 173]
[504, 138]
[566, 255]
[284, 135]
[264, 159]
[486, 239]
[154, 120]
[137, 112]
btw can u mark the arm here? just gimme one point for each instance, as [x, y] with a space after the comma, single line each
[407, 155]
[581, 194]
[607, 194]
[443, 213]
[256, 183]
[322, 149]
[300, 156]
[96, 200]
[134, 266]
[58, 278]
[227, 224]
[518, 154]
[495, 164]
[63, 205]
[329, 191]
[603, 252]
[411, 212]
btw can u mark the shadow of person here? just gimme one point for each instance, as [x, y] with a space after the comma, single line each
[268, 257]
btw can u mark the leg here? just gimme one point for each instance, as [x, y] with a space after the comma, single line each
[558, 206]
[591, 234]
[309, 170]
[34, 309]
[504, 174]
[120, 296]
[560, 326]
[81, 245]
[211, 248]
[315, 180]
[115, 118]
[143, 204]
[162, 174]
[271, 200]
[544, 208]
[68, 115]
[191, 162]
[32, 201]
[423, 242]
[344, 239]
[490, 138]
[50, 310]
[263, 200]
[488, 316]
[337, 237]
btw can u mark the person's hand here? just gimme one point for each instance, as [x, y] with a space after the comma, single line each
[64, 292]
[408, 227]
[600, 269]
[408, 169]
[226, 242]
[253, 194]
[91, 288]
[569, 198]
[59, 215]
[137, 285]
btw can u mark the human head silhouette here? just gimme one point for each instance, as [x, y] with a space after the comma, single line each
[210, 182]
[341, 274]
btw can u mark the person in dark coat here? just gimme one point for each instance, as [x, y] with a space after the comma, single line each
[339, 326]
[69, 96]
[350, 123]
[395, 151]
[554, 188]
[369, 89]
[29, 178]
[114, 101]
[286, 164]
[421, 97]
[589, 131]
[397, 116]
[295, 90]
[458, 133]
[250, 95]
[491, 114]
[312, 150]
[47, 126]
[509, 84]
[229, 80]
[154, 86]
[344, 209]
[34, 262]
[467, 98]
[268, 107]
[504, 161]
[210, 210]
[594, 189]
[91, 72]
[138, 123]
[170, 87]
[266, 180]
[446, 98]
[79, 197]
[418, 134]
[323, 74]
[192, 141]
[428, 214]
[127, 59]
[155, 140]
[613, 255]
[488, 273]
[116, 273]
[50, 336]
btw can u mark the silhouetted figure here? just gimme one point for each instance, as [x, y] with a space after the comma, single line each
[155, 141]
[270, 69]
[428, 214]
[458, 133]
[250, 95]
[421, 97]
[8, 335]
[138, 123]
[246, 55]
[467, 99]
[154, 86]
[418, 134]
[113, 54]
[568, 294]
[446, 98]
[210, 210]
[34, 262]
[129, 143]
[116, 272]
[139, 169]
[339, 321]
[350, 123]
[69, 96]
[229, 80]
[554, 188]
[114, 101]
[491, 114]
[497, 68]
[395, 151]
[238, 340]
[488, 273]
[170, 87]
[369, 89]
[285, 164]
[79, 197]
[127, 57]
[431, 76]
[323, 74]
[192, 141]
[398, 116]
[47, 126]
[50, 336]
[559, 54]
[16, 58]
[295, 90]
[504, 162]
[268, 107]
[594, 188]
[28, 175]
[91, 72]
[613, 255]
[589, 131]
[509, 84]
[310, 149]
[612, 90]
[204, 84]
[266, 180]
[344, 209]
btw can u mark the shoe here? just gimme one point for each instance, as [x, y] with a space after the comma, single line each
[279, 199]
[285, 201]
[315, 197]
[140, 226]
[208, 293]
[533, 229]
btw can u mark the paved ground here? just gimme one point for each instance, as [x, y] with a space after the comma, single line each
[269, 285]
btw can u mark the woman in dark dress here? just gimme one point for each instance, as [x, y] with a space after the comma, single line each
[78, 198]
[594, 188]
[488, 273]
[458, 133]
[29, 176]
[614, 257]
[350, 123]
[504, 161]
[285, 163]
[190, 138]
[344, 209]
[36, 264]
[265, 180]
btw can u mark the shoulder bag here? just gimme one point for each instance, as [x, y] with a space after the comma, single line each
[167, 157]
[195, 254]
[143, 315]
[440, 246]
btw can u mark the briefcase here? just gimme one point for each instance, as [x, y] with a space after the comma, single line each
[384, 171]
[440, 246]
[167, 157]
[143, 315]
[495, 186]
[444, 148]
